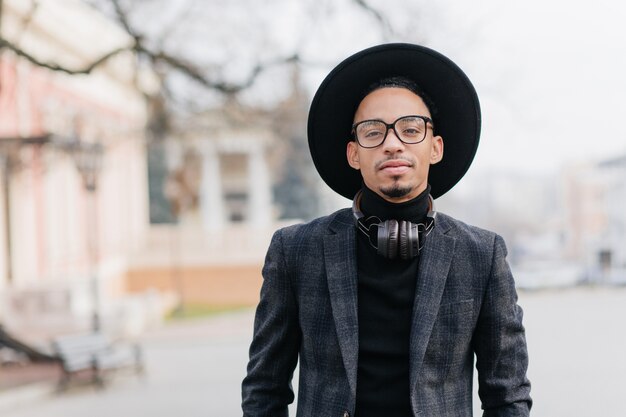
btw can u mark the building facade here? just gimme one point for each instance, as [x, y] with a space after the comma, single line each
[597, 219]
[67, 224]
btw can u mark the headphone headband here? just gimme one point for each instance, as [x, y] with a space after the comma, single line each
[394, 237]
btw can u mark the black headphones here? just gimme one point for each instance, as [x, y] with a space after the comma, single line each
[395, 238]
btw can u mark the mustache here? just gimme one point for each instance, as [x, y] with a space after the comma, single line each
[378, 164]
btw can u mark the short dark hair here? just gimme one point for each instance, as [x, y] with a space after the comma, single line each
[401, 82]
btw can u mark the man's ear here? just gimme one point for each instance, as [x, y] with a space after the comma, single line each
[436, 153]
[353, 155]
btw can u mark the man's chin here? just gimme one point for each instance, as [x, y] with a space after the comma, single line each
[396, 191]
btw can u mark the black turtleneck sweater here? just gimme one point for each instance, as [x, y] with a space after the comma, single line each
[386, 292]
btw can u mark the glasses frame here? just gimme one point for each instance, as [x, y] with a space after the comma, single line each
[427, 120]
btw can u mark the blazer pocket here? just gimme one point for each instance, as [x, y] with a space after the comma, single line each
[459, 307]
[450, 338]
[456, 319]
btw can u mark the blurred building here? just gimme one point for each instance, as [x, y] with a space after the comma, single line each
[236, 174]
[219, 189]
[613, 252]
[596, 219]
[195, 229]
[528, 211]
[73, 203]
[560, 230]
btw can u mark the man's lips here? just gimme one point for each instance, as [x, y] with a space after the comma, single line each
[395, 166]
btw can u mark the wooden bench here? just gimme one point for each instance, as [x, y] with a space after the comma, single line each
[94, 354]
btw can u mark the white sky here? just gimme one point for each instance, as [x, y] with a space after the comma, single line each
[551, 75]
[551, 79]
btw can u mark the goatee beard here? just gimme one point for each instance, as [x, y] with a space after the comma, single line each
[396, 191]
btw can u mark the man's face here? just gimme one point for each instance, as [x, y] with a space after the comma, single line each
[394, 170]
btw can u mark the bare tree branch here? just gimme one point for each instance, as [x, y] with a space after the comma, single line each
[156, 58]
[162, 61]
[256, 71]
[387, 28]
[56, 67]
[174, 24]
[197, 75]
[122, 17]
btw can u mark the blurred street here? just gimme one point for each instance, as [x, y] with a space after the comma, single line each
[195, 367]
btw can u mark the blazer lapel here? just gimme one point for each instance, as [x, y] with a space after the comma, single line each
[435, 260]
[341, 274]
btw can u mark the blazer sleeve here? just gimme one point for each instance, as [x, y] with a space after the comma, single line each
[500, 344]
[267, 390]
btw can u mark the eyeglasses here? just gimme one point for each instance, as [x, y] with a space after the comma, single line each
[409, 129]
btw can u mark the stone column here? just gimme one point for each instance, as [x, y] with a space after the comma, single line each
[259, 186]
[211, 196]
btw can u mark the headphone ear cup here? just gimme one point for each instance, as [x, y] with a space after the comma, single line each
[404, 244]
[390, 237]
[413, 240]
[382, 238]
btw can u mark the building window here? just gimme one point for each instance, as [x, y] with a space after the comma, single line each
[236, 206]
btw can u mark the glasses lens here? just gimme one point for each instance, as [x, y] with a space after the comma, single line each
[411, 129]
[370, 133]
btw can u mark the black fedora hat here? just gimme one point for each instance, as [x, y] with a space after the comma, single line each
[457, 118]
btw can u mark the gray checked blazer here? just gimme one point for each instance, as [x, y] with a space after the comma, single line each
[465, 305]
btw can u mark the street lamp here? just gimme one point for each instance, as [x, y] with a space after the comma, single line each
[88, 159]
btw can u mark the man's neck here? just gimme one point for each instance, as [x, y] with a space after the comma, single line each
[414, 210]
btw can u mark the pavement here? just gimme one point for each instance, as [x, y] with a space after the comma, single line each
[576, 341]
[194, 367]
[22, 375]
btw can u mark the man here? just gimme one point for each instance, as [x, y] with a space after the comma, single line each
[385, 305]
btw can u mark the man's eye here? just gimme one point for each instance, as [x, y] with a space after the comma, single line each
[410, 131]
[373, 134]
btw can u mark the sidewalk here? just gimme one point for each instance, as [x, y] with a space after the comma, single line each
[17, 376]
[23, 384]
[191, 367]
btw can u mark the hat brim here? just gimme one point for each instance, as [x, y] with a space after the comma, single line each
[457, 119]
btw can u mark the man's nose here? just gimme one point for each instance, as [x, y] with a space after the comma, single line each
[392, 143]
